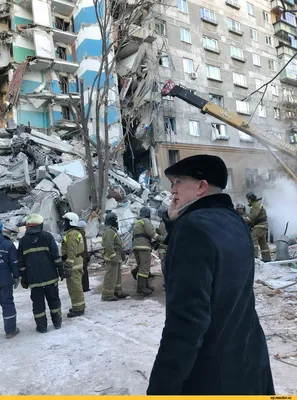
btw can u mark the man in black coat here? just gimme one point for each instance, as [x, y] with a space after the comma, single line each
[212, 342]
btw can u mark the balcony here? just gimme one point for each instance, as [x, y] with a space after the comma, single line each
[69, 67]
[233, 4]
[276, 4]
[64, 36]
[63, 7]
[142, 33]
[285, 50]
[289, 77]
[280, 27]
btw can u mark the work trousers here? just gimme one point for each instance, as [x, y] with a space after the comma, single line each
[85, 279]
[8, 308]
[112, 283]
[75, 290]
[143, 259]
[259, 236]
[162, 254]
[51, 294]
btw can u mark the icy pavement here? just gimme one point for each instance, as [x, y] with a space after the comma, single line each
[111, 349]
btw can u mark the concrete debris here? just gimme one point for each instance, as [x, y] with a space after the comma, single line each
[62, 182]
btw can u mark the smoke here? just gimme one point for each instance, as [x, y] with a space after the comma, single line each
[280, 200]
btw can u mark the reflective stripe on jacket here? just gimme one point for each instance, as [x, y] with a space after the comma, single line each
[143, 234]
[72, 249]
[112, 245]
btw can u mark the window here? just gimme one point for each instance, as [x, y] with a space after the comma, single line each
[274, 89]
[269, 41]
[234, 3]
[160, 27]
[216, 99]
[236, 52]
[164, 61]
[208, 15]
[188, 65]
[266, 16]
[256, 60]
[182, 5]
[262, 111]
[219, 131]
[239, 80]
[289, 18]
[288, 94]
[213, 72]
[64, 84]
[185, 35]
[259, 83]
[194, 128]
[65, 111]
[229, 185]
[242, 107]
[170, 125]
[210, 44]
[173, 156]
[233, 25]
[251, 177]
[251, 10]
[276, 112]
[271, 65]
[254, 34]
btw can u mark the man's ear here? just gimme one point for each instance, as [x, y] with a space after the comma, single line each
[202, 187]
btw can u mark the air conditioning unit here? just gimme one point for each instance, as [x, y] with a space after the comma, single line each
[193, 75]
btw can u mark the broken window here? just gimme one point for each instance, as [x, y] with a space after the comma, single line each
[61, 53]
[164, 61]
[194, 128]
[64, 84]
[170, 125]
[216, 99]
[219, 130]
[65, 112]
[160, 27]
[250, 177]
[62, 24]
[243, 107]
[173, 156]
[276, 112]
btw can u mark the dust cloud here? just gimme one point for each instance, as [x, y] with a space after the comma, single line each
[280, 200]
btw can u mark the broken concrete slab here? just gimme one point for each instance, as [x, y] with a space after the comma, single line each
[42, 174]
[62, 182]
[47, 141]
[45, 185]
[111, 204]
[50, 214]
[79, 195]
[75, 169]
[124, 179]
[125, 217]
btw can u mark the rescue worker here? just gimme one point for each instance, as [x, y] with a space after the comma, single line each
[143, 234]
[86, 258]
[113, 256]
[162, 232]
[257, 219]
[40, 266]
[72, 250]
[9, 280]
[240, 208]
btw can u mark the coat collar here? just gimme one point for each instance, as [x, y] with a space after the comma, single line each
[221, 200]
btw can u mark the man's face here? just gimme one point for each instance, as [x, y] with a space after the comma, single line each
[185, 190]
[240, 211]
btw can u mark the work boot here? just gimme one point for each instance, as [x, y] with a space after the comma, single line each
[148, 286]
[122, 295]
[41, 328]
[109, 299]
[86, 290]
[141, 286]
[73, 314]
[134, 273]
[12, 334]
[58, 323]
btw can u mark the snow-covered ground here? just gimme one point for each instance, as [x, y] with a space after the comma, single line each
[111, 349]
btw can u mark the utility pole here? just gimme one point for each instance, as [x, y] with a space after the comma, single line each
[87, 146]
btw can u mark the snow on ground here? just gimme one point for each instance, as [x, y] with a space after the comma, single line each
[111, 349]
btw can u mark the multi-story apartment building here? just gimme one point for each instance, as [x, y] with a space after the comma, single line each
[223, 51]
[46, 46]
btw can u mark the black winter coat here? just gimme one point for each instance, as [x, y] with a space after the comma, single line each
[212, 342]
[8, 262]
[39, 259]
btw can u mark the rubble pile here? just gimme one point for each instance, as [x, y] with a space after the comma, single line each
[46, 175]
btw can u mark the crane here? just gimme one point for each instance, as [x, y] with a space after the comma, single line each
[267, 139]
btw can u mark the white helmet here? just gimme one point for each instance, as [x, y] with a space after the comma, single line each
[82, 224]
[72, 217]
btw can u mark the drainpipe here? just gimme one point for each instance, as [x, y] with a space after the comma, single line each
[51, 115]
[154, 162]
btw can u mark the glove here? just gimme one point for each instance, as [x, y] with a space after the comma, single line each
[158, 231]
[62, 275]
[123, 255]
[24, 283]
[64, 258]
[67, 273]
[16, 282]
